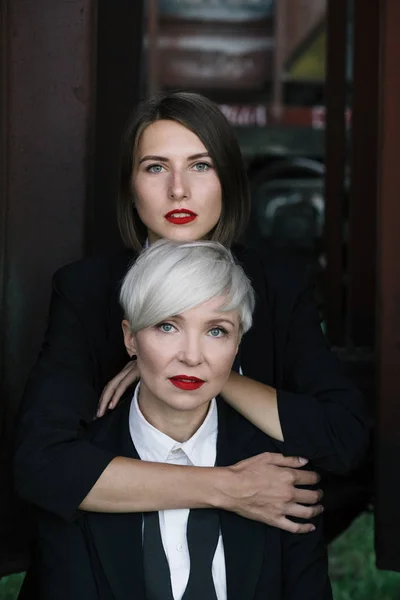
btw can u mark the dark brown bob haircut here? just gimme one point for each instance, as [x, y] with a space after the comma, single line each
[203, 117]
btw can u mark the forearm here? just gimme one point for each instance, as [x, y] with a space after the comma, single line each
[256, 401]
[129, 485]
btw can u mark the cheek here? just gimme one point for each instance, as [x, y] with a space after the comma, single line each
[152, 357]
[214, 192]
[222, 360]
[145, 192]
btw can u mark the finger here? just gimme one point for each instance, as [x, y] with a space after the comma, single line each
[110, 389]
[293, 462]
[123, 385]
[305, 477]
[303, 512]
[307, 496]
[288, 525]
[106, 396]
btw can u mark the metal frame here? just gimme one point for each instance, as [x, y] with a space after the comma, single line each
[388, 300]
[335, 158]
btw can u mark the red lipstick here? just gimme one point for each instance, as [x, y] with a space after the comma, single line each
[187, 216]
[184, 382]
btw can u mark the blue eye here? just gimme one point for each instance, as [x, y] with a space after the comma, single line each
[155, 168]
[166, 327]
[202, 167]
[217, 332]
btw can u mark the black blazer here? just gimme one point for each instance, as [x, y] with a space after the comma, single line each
[99, 556]
[321, 412]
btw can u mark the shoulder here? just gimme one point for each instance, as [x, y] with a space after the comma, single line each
[282, 273]
[92, 274]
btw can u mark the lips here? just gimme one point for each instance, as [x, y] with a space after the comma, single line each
[180, 216]
[185, 382]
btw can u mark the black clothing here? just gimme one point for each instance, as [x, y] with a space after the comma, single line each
[99, 556]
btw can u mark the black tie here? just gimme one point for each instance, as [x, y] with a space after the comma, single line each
[156, 569]
[202, 538]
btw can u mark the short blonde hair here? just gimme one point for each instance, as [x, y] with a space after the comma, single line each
[169, 278]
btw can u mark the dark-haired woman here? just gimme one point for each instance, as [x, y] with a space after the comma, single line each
[182, 178]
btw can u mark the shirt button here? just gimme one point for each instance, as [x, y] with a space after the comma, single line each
[179, 547]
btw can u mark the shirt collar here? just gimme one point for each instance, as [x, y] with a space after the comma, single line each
[153, 445]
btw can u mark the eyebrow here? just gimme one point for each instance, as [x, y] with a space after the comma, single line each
[165, 159]
[214, 321]
[217, 320]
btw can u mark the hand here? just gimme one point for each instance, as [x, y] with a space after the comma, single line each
[116, 387]
[264, 489]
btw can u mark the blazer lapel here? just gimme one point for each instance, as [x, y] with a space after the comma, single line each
[118, 537]
[244, 540]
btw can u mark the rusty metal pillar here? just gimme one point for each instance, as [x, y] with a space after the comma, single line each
[46, 105]
[118, 88]
[364, 174]
[335, 157]
[388, 329]
[68, 79]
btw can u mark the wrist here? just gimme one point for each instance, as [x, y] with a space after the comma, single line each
[224, 488]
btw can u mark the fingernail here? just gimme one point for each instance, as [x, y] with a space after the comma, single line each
[303, 461]
[313, 528]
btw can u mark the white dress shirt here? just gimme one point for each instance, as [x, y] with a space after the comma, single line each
[200, 451]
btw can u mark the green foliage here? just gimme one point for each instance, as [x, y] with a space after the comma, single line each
[353, 572]
[9, 586]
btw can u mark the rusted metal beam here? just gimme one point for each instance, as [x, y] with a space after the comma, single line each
[279, 54]
[364, 174]
[388, 274]
[153, 82]
[119, 41]
[46, 103]
[335, 156]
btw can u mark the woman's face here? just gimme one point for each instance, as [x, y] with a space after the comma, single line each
[177, 192]
[184, 362]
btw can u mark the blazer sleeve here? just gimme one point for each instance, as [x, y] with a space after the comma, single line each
[321, 411]
[54, 466]
[305, 565]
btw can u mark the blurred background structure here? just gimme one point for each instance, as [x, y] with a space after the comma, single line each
[312, 89]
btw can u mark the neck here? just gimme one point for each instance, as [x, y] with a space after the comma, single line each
[179, 425]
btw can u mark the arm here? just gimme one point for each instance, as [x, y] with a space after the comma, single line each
[317, 412]
[58, 403]
[262, 411]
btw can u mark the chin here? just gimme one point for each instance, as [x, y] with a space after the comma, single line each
[183, 233]
[183, 236]
[187, 403]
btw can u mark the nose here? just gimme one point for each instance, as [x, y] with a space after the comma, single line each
[191, 351]
[178, 187]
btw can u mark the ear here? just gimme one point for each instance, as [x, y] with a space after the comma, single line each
[129, 338]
